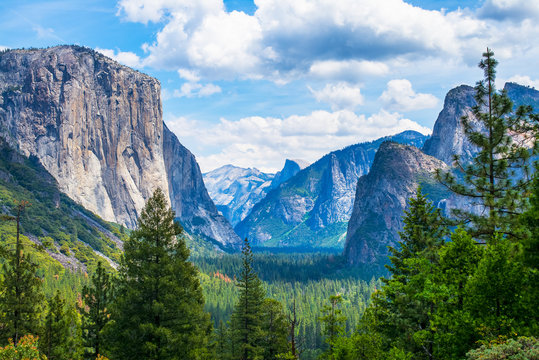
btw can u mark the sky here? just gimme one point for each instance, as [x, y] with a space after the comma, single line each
[252, 83]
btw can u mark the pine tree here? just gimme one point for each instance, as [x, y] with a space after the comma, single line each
[499, 174]
[455, 333]
[402, 310]
[21, 297]
[246, 321]
[61, 333]
[423, 233]
[159, 310]
[333, 322]
[96, 303]
[274, 329]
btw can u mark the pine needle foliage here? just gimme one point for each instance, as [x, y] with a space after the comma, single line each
[159, 311]
[500, 173]
[246, 321]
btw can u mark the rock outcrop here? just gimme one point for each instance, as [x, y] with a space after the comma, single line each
[311, 209]
[189, 197]
[236, 190]
[448, 137]
[290, 168]
[397, 171]
[381, 198]
[94, 124]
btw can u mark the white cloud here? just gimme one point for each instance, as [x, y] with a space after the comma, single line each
[340, 96]
[343, 40]
[348, 70]
[515, 10]
[194, 89]
[264, 142]
[400, 96]
[188, 75]
[524, 80]
[127, 58]
[2, 48]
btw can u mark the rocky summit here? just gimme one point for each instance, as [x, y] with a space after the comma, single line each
[236, 190]
[397, 171]
[312, 208]
[97, 127]
[381, 198]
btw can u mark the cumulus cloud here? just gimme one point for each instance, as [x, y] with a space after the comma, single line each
[400, 96]
[2, 48]
[514, 10]
[347, 70]
[127, 58]
[264, 142]
[340, 96]
[193, 89]
[338, 40]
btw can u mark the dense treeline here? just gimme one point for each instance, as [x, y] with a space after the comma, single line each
[455, 288]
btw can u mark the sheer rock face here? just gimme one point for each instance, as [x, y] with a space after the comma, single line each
[97, 127]
[189, 196]
[381, 197]
[312, 208]
[236, 190]
[448, 136]
[94, 125]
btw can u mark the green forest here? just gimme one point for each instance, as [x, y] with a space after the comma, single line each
[457, 287]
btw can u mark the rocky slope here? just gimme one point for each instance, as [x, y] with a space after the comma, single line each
[94, 124]
[189, 197]
[290, 168]
[381, 198]
[448, 136]
[311, 209]
[236, 190]
[381, 195]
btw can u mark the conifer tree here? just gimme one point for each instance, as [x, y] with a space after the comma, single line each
[274, 329]
[61, 333]
[21, 297]
[455, 333]
[333, 322]
[246, 321]
[159, 309]
[423, 233]
[499, 174]
[96, 303]
[402, 310]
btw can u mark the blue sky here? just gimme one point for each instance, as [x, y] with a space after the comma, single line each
[255, 82]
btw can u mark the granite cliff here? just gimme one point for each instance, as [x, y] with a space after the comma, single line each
[97, 127]
[236, 190]
[397, 171]
[381, 198]
[312, 208]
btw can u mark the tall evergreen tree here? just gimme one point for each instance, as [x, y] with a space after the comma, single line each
[159, 309]
[499, 174]
[402, 310]
[61, 333]
[246, 321]
[96, 303]
[333, 322]
[423, 233]
[455, 327]
[274, 329]
[21, 297]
